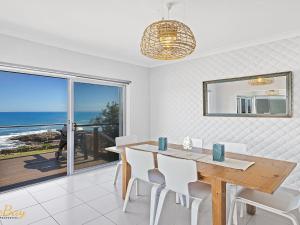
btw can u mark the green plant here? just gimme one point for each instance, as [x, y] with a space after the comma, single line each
[46, 145]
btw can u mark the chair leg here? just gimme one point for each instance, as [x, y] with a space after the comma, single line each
[231, 212]
[235, 217]
[177, 198]
[292, 218]
[195, 211]
[181, 199]
[243, 209]
[129, 188]
[187, 201]
[137, 188]
[160, 205]
[155, 192]
[232, 197]
[117, 172]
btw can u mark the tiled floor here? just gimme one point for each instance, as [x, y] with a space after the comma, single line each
[91, 198]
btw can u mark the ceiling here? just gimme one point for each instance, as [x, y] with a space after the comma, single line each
[113, 28]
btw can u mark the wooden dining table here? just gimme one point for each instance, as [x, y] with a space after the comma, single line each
[265, 175]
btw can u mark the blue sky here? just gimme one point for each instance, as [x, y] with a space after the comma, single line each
[93, 98]
[30, 93]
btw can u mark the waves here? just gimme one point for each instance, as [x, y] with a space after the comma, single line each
[6, 143]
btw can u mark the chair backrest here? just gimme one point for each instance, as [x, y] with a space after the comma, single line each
[141, 162]
[178, 173]
[235, 147]
[197, 143]
[125, 140]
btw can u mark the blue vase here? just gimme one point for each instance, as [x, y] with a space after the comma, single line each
[218, 152]
[162, 143]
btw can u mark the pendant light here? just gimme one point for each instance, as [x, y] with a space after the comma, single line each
[167, 39]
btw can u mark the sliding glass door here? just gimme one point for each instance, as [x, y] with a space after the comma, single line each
[97, 120]
[53, 124]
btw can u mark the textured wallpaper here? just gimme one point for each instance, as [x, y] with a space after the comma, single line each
[176, 102]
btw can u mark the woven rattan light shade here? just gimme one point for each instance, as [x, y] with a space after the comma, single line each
[167, 40]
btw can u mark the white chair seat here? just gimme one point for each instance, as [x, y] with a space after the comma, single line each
[284, 199]
[199, 190]
[156, 177]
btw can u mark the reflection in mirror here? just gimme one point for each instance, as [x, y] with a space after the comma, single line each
[264, 95]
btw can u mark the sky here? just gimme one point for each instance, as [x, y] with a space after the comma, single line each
[93, 98]
[31, 93]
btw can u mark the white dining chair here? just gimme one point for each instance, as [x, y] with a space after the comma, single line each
[143, 168]
[239, 148]
[232, 188]
[185, 200]
[284, 202]
[181, 177]
[197, 142]
[120, 141]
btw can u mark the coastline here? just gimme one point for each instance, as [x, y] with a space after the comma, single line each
[30, 140]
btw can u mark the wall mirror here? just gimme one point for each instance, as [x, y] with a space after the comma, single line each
[268, 95]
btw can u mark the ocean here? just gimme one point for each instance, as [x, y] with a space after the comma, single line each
[34, 118]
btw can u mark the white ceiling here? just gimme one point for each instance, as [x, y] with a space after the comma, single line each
[113, 28]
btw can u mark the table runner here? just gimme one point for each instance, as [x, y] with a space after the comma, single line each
[185, 154]
[228, 162]
[171, 152]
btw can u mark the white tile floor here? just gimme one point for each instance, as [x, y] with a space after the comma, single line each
[91, 198]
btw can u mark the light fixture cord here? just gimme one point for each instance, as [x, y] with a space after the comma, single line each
[162, 9]
[169, 7]
[185, 9]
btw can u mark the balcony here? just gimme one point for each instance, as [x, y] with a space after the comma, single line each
[34, 155]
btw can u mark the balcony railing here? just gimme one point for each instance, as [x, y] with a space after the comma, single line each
[90, 139]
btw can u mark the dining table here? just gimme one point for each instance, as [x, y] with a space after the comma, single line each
[265, 175]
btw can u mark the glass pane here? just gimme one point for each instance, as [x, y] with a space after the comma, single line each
[243, 101]
[249, 105]
[98, 118]
[32, 115]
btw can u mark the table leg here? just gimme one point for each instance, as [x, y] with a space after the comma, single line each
[251, 210]
[218, 189]
[126, 175]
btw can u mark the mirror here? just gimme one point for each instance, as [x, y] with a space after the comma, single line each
[268, 95]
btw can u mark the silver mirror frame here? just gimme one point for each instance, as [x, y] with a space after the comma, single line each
[289, 87]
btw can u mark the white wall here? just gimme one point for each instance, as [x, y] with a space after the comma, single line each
[176, 101]
[23, 52]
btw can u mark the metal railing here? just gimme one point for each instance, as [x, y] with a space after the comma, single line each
[32, 125]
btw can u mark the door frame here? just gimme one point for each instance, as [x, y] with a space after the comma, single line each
[70, 124]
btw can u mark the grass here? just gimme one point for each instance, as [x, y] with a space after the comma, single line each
[29, 153]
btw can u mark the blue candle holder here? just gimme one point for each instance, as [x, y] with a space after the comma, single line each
[218, 152]
[162, 143]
